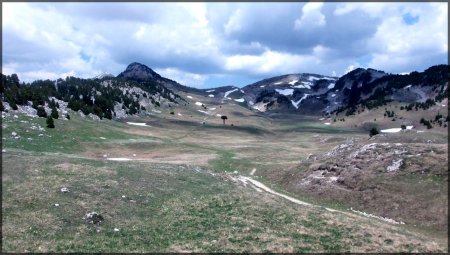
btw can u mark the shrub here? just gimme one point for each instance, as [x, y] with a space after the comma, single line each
[403, 126]
[373, 131]
[68, 116]
[50, 123]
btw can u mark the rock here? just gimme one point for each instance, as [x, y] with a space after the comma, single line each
[104, 155]
[134, 155]
[14, 134]
[123, 196]
[3, 150]
[64, 190]
[116, 230]
[94, 117]
[56, 205]
[41, 134]
[93, 218]
[396, 164]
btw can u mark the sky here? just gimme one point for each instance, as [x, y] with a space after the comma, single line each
[216, 44]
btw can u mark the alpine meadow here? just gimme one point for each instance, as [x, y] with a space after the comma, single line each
[304, 127]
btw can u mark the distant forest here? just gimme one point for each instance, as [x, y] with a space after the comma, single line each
[87, 95]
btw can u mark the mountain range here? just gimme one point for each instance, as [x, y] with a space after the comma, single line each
[138, 89]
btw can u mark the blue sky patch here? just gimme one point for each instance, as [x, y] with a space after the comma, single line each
[410, 19]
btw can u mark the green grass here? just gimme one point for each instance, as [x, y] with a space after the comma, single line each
[227, 162]
[167, 207]
[68, 136]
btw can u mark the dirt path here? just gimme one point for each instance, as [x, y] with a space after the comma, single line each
[260, 187]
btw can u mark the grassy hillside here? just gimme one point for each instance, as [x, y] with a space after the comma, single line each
[178, 190]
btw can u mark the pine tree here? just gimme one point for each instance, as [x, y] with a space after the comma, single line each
[13, 105]
[41, 112]
[54, 113]
[50, 123]
[68, 116]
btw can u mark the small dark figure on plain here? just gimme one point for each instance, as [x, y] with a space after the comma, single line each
[224, 118]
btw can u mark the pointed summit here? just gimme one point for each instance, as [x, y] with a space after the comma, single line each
[140, 72]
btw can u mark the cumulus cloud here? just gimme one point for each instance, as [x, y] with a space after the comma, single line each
[311, 18]
[209, 44]
[185, 78]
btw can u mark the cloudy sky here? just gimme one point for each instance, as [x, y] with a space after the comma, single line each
[214, 44]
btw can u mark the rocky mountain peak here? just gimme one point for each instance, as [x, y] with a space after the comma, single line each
[137, 71]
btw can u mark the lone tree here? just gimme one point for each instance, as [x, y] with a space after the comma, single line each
[224, 118]
[54, 113]
[50, 123]
[373, 131]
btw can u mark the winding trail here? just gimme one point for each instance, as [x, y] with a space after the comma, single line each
[258, 186]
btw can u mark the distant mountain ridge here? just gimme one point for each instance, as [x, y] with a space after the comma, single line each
[139, 88]
[317, 94]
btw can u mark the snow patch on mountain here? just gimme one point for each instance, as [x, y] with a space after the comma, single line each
[229, 92]
[295, 104]
[262, 107]
[293, 82]
[312, 78]
[205, 112]
[286, 92]
[240, 100]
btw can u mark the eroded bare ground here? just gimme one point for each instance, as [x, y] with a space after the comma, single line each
[403, 181]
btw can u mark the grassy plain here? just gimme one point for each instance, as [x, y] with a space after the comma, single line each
[175, 193]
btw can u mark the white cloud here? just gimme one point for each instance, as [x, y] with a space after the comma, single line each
[350, 68]
[398, 46]
[312, 17]
[194, 42]
[234, 23]
[185, 78]
[268, 62]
